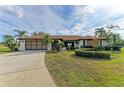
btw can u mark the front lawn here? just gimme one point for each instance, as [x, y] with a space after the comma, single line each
[4, 49]
[69, 70]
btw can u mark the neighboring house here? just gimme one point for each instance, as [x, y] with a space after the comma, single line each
[35, 42]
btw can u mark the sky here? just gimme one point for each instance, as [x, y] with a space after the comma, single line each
[60, 20]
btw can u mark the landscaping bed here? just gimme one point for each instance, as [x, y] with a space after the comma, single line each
[70, 70]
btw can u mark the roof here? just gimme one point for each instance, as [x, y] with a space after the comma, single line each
[61, 37]
[67, 37]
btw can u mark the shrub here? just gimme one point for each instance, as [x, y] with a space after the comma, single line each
[107, 48]
[71, 48]
[92, 54]
[99, 48]
[87, 49]
[16, 49]
[116, 48]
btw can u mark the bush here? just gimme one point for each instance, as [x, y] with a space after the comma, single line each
[99, 48]
[107, 48]
[92, 54]
[16, 49]
[116, 48]
[87, 49]
[71, 48]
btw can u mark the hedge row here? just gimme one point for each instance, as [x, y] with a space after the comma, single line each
[92, 54]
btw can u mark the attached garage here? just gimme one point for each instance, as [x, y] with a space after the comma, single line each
[34, 45]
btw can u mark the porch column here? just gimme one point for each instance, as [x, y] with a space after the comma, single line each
[85, 42]
[80, 44]
[75, 44]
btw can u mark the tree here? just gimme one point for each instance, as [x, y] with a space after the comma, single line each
[47, 40]
[100, 32]
[21, 33]
[112, 27]
[9, 41]
[111, 36]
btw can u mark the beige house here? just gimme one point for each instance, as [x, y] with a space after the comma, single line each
[35, 42]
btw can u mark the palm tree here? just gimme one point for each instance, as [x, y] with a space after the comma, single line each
[21, 33]
[47, 40]
[113, 36]
[116, 37]
[100, 32]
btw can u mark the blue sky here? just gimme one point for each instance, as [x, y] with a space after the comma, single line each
[64, 20]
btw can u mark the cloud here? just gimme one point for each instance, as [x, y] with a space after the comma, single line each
[71, 20]
[14, 10]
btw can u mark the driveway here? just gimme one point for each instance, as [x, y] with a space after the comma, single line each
[24, 69]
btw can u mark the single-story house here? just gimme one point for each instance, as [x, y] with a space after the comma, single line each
[34, 42]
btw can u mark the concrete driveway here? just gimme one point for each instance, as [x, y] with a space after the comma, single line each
[24, 69]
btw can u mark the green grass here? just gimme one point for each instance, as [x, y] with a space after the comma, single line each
[4, 49]
[69, 70]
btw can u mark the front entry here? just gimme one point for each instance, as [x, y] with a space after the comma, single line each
[69, 43]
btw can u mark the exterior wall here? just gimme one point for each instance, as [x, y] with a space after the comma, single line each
[22, 45]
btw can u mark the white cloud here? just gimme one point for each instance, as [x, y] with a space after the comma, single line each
[77, 27]
[83, 20]
[64, 31]
[15, 10]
